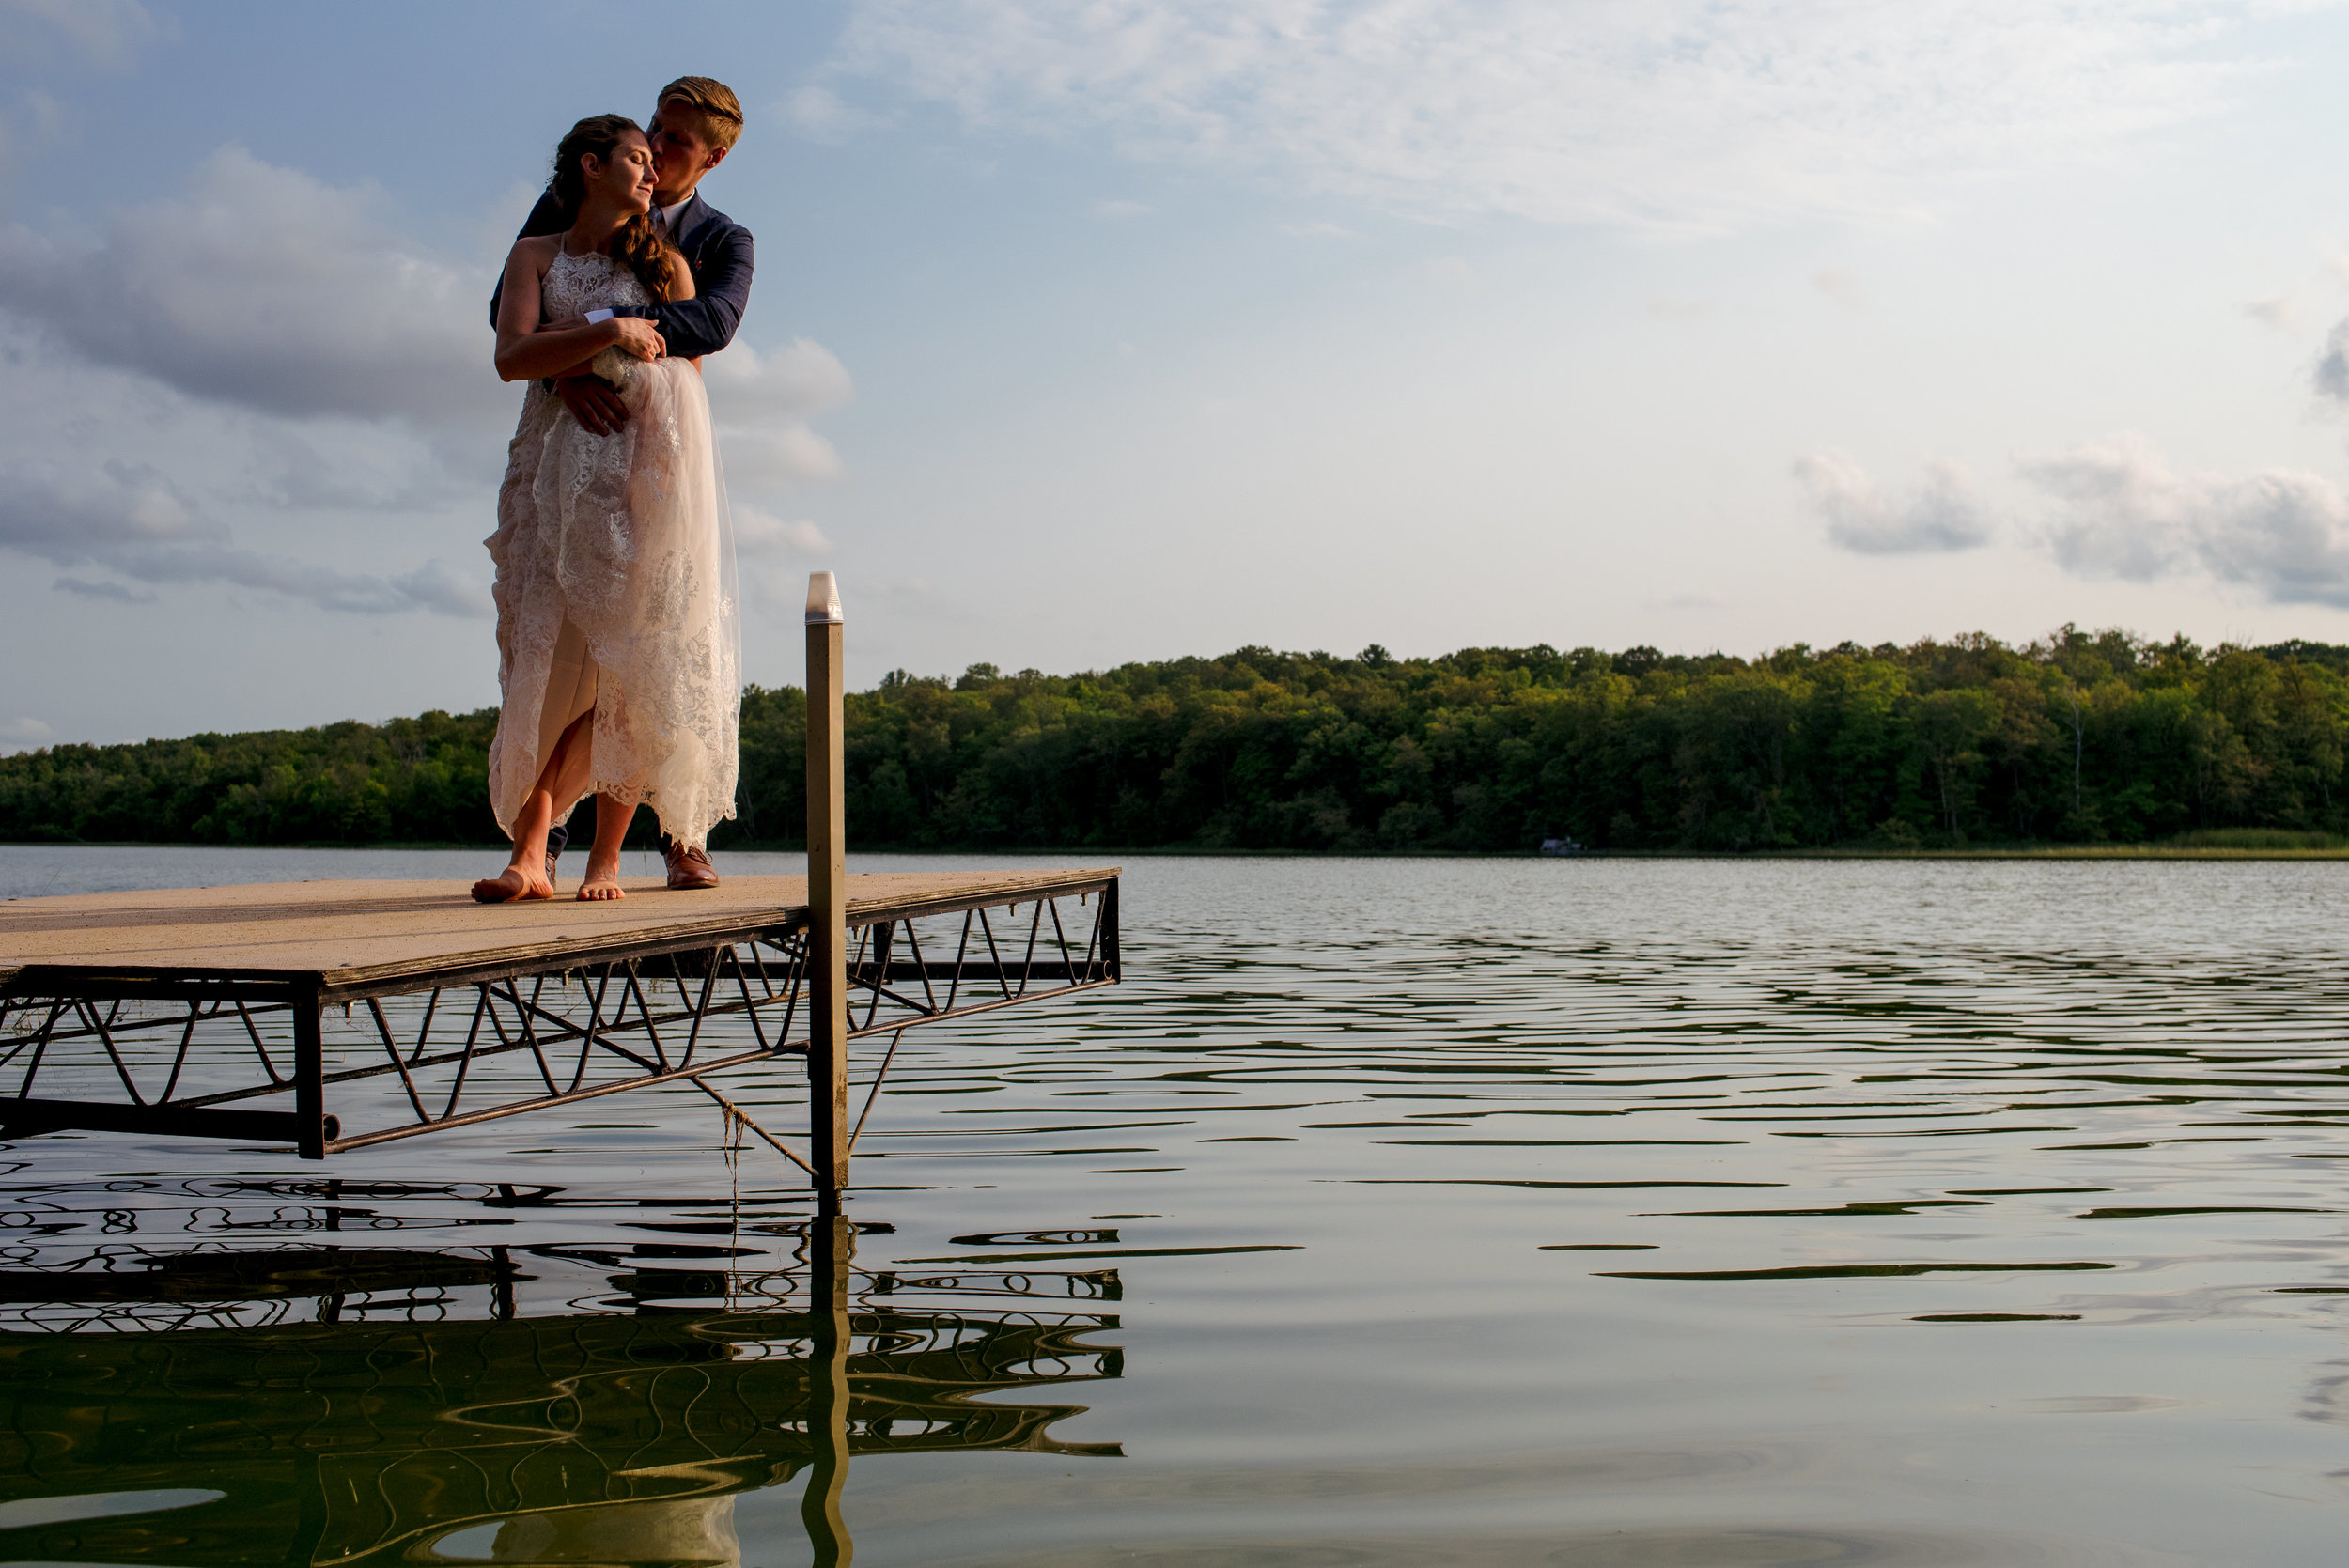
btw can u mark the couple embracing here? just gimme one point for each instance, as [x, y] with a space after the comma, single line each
[619, 638]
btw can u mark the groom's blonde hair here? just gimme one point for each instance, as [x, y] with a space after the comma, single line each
[720, 112]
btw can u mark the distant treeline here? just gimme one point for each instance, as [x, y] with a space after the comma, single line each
[2078, 738]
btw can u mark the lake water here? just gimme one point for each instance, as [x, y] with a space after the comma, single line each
[1393, 1212]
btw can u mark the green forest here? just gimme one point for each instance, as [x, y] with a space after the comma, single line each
[2079, 737]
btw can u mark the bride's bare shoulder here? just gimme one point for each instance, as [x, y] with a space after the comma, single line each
[538, 250]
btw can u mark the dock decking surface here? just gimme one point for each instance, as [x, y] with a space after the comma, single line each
[345, 932]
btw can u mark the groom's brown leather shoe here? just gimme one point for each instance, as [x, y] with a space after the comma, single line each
[688, 868]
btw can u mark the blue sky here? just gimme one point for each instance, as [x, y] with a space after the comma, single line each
[1089, 331]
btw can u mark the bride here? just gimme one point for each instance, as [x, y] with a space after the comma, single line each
[619, 647]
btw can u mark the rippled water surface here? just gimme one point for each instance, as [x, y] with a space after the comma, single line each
[1585, 1212]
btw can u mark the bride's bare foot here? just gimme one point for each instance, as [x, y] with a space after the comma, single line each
[603, 880]
[511, 884]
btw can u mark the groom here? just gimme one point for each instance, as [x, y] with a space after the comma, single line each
[692, 132]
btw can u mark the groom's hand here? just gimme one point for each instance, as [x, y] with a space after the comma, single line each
[593, 403]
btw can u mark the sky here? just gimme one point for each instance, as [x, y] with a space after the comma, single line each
[1094, 330]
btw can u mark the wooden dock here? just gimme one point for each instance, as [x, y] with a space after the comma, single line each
[384, 1010]
[198, 1011]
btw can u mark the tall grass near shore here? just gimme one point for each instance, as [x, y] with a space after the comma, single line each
[2259, 839]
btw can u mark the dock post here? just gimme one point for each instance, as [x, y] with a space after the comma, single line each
[826, 890]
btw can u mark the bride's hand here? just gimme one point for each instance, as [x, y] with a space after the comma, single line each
[638, 338]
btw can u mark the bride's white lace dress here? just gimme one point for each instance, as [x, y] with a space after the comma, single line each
[615, 591]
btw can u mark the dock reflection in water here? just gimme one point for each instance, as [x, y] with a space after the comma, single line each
[374, 1406]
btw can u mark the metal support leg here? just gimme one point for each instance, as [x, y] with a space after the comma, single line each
[311, 1121]
[1112, 961]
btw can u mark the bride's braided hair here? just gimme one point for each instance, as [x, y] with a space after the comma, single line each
[639, 245]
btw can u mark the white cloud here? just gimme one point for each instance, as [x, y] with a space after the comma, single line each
[37, 121]
[774, 555]
[2332, 365]
[352, 466]
[1666, 307]
[101, 32]
[757, 535]
[761, 405]
[267, 288]
[68, 520]
[2123, 511]
[1451, 272]
[1655, 115]
[44, 116]
[818, 115]
[434, 586]
[1115, 210]
[1942, 514]
[136, 524]
[1840, 286]
[274, 352]
[24, 735]
[912, 596]
[114, 593]
[2279, 311]
[443, 590]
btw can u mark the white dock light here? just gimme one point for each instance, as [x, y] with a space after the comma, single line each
[823, 599]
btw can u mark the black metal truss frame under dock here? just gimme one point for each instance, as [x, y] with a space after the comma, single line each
[199, 1053]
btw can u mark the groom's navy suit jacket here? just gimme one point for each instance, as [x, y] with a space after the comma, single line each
[717, 249]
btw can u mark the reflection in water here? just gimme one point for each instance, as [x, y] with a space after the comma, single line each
[381, 1426]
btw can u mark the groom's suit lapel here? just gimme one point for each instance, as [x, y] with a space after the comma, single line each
[693, 217]
[698, 227]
